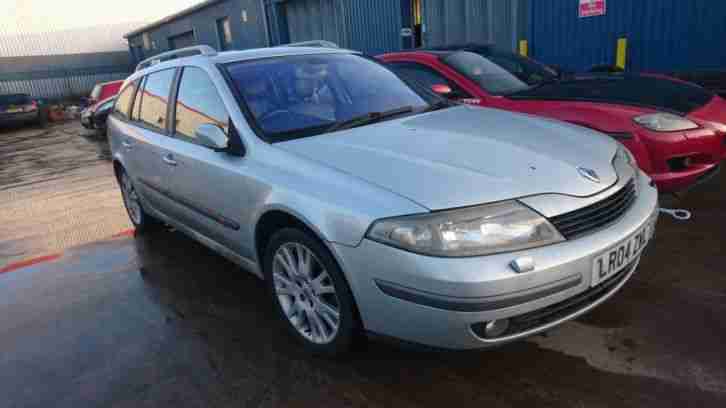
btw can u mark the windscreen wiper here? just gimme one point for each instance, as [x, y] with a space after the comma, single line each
[438, 105]
[368, 118]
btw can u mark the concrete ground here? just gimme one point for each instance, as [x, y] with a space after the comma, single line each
[158, 320]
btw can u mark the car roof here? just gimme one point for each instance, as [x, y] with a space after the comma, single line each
[109, 82]
[417, 54]
[235, 56]
[460, 47]
[442, 51]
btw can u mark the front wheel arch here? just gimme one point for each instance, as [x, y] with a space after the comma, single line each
[275, 220]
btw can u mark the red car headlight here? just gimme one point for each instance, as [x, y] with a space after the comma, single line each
[665, 122]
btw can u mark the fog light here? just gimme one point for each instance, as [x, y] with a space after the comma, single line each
[680, 163]
[496, 328]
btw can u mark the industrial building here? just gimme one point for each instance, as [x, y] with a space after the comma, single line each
[61, 64]
[371, 26]
[645, 35]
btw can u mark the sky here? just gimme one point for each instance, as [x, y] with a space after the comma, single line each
[46, 27]
[35, 16]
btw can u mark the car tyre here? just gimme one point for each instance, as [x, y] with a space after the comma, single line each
[315, 303]
[42, 120]
[142, 221]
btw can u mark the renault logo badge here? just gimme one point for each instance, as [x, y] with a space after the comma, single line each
[589, 174]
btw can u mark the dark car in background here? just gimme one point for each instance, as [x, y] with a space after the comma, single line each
[94, 117]
[22, 108]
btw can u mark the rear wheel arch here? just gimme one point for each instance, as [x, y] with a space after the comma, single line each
[118, 168]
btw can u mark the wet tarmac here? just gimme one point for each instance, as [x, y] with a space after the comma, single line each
[158, 320]
[56, 191]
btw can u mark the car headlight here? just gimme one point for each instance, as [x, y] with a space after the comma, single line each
[481, 230]
[624, 154]
[627, 156]
[665, 122]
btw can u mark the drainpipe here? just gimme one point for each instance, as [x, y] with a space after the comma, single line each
[267, 25]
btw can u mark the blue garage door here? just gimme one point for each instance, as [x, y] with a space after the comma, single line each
[663, 35]
[499, 22]
[371, 26]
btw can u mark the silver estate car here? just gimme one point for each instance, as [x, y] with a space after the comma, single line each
[369, 205]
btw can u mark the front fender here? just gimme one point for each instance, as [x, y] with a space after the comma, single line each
[338, 206]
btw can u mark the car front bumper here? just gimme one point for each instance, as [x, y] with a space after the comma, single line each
[439, 301]
[705, 148]
[675, 182]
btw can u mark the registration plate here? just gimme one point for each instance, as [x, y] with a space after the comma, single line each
[620, 256]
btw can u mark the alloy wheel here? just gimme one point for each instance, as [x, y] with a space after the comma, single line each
[306, 293]
[131, 199]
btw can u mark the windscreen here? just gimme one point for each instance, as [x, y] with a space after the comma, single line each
[304, 95]
[492, 77]
[15, 99]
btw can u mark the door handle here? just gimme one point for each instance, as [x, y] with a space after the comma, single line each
[169, 159]
[126, 144]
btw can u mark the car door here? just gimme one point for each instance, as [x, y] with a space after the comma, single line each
[208, 185]
[149, 116]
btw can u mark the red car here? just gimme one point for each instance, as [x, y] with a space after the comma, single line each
[104, 91]
[675, 129]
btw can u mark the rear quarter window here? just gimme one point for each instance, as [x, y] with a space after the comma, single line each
[123, 102]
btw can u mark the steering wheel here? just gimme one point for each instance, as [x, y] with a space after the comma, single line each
[272, 112]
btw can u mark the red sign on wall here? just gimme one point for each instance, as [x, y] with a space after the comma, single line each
[591, 8]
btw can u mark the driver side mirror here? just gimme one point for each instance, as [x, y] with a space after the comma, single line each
[212, 136]
[442, 90]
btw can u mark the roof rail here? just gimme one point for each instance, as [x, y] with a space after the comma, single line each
[313, 43]
[205, 50]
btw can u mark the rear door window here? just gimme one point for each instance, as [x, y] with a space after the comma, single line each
[155, 99]
[137, 100]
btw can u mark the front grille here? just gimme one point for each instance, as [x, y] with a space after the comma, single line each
[580, 222]
[552, 313]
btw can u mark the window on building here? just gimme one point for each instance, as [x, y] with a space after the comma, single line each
[224, 34]
[138, 53]
[124, 99]
[182, 40]
[198, 103]
[156, 98]
[147, 41]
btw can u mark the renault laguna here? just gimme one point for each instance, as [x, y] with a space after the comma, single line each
[371, 206]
